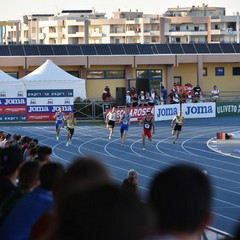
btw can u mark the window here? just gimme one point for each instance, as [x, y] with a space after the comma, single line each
[236, 71]
[115, 74]
[204, 72]
[219, 71]
[13, 74]
[95, 74]
[107, 74]
[74, 73]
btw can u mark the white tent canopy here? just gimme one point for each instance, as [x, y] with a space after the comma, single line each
[10, 86]
[50, 76]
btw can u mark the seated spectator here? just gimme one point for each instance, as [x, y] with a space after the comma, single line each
[164, 94]
[215, 93]
[28, 149]
[173, 97]
[28, 179]
[177, 87]
[141, 99]
[32, 154]
[16, 140]
[107, 95]
[135, 100]
[11, 160]
[197, 93]
[84, 173]
[25, 142]
[128, 98]
[18, 223]
[132, 92]
[181, 198]
[43, 154]
[130, 184]
[6, 139]
[152, 97]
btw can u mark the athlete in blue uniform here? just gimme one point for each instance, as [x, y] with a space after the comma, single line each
[125, 122]
[59, 116]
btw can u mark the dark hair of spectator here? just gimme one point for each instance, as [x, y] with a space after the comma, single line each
[50, 174]
[181, 198]
[10, 160]
[103, 212]
[42, 151]
[29, 174]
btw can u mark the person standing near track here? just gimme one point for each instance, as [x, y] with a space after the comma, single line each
[125, 122]
[148, 128]
[176, 124]
[71, 122]
[110, 121]
[59, 116]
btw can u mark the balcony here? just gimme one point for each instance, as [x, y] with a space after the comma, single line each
[186, 33]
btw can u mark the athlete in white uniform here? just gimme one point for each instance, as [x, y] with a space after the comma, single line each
[110, 121]
[59, 116]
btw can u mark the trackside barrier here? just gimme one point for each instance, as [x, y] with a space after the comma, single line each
[211, 233]
[225, 109]
[189, 110]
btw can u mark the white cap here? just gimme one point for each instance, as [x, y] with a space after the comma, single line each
[142, 91]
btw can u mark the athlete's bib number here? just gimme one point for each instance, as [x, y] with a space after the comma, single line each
[147, 125]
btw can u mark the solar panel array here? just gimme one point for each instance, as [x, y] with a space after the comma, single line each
[119, 49]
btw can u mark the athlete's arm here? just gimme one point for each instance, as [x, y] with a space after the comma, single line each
[56, 114]
[174, 119]
[75, 121]
[153, 125]
[141, 121]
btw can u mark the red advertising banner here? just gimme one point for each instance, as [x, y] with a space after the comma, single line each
[40, 117]
[137, 113]
[13, 109]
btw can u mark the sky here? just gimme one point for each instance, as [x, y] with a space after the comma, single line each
[16, 9]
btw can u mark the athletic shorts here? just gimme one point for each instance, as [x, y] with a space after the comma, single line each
[111, 123]
[124, 127]
[177, 127]
[147, 132]
[59, 123]
[71, 130]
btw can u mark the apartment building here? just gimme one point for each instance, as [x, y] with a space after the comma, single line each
[196, 24]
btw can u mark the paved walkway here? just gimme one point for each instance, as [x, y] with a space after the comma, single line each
[229, 147]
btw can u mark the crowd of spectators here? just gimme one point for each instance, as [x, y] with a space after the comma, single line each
[186, 94]
[178, 93]
[42, 199]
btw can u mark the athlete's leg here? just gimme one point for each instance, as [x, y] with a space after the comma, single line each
[124, 137]
[144, 140]
[177, 135]
[110, 132]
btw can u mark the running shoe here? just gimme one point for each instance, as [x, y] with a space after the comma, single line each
[67, 143]
[57, 138]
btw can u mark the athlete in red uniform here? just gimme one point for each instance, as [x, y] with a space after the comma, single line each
[148, 128]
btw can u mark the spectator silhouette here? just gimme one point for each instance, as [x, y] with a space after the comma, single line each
[17, 225]
[28, 180]
[84, 173]
[43, 154]
[181, 198]
[10, 162]
[103, 212]
[130, 184]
